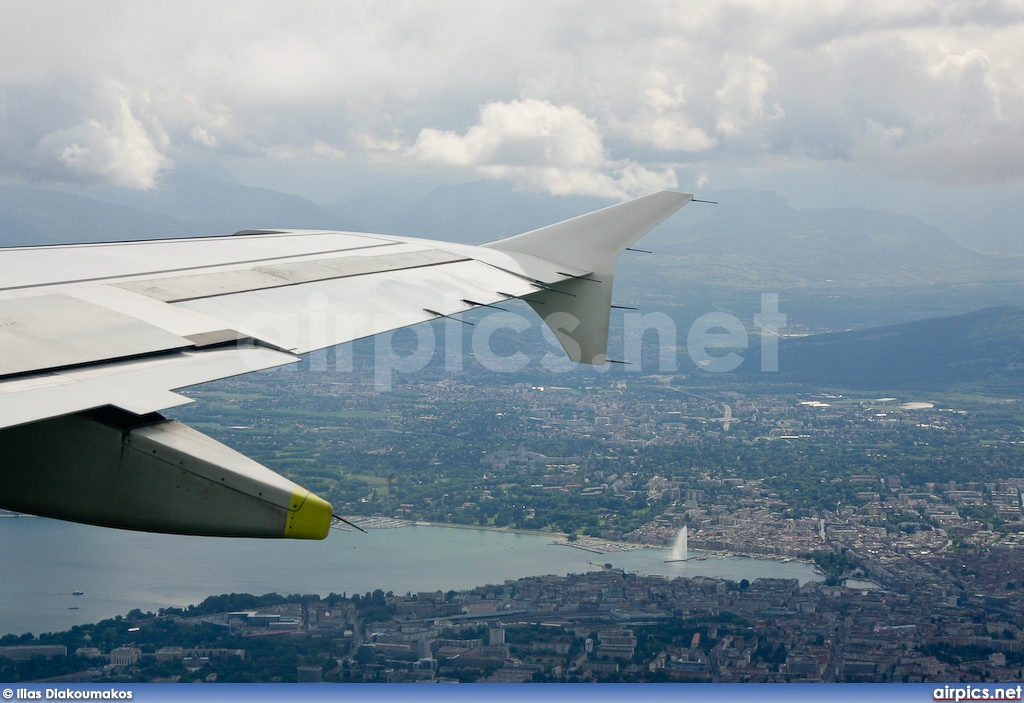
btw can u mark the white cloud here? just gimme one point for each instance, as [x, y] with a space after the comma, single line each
[115, 148]
[967, 126]
[742, 96]
[651, 83]
[328, 152]
[202, 136]
[540, 146]
[662, 121]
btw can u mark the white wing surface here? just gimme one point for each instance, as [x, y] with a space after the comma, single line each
[96, 339]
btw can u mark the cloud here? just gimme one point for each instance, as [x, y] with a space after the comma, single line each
[59, 136]
[742, 96]
[543, 147]
[661, 120]
[918, 89]
[967, 127]
[202, 136]
[116, 149]
[804, 81]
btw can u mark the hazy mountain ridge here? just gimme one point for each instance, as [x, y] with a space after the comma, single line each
[878, 267]
[193, 195]
[31, 216]
[185, 204]
[754, 239]
[751, 239]
[982, 349]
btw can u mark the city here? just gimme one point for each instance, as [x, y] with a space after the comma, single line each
[919, 580]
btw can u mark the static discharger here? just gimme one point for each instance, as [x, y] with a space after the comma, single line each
[512, 297]
[339, 518]
[578, 278]
[543, 286]
[435, 313]
[485, 305]
[537, 283]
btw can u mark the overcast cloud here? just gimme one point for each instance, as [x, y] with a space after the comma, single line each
[568, 98]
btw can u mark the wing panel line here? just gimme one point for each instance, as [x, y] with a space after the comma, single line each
[97, 279]
[270, 277]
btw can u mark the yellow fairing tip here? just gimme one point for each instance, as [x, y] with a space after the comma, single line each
[309, 516]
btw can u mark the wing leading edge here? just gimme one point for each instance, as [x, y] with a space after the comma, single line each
[97, 338]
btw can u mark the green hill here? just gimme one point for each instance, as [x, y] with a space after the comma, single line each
[980, 350]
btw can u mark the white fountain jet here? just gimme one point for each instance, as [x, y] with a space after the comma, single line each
[680, 550]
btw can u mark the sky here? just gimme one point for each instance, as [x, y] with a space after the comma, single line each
[826, 101]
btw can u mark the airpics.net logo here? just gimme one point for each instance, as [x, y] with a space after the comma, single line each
[716, 342]
[977, 693]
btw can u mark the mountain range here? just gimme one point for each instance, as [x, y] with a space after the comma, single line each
[187, 203]
[834, 268]
[749, 240]
[980, 350]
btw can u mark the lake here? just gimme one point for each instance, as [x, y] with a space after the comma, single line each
[42, 562]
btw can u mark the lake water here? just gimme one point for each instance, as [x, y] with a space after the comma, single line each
[42, 562]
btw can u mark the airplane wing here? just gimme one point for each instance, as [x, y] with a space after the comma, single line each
[97, 338]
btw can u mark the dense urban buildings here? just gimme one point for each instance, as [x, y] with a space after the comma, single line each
[909, 507]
